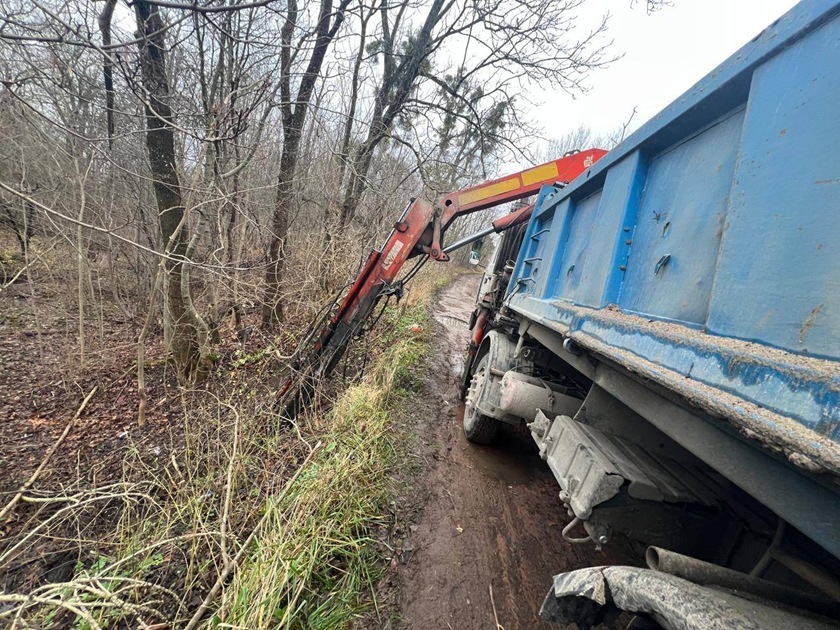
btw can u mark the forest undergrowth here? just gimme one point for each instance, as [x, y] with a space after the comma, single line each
[215, 513]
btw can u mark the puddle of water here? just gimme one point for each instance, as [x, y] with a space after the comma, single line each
[455, 327]
[456, 363]
[511, 459]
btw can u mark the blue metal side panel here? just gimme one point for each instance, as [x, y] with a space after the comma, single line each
[553, 243]
[733, 192]
[538, 244]
[677, 234]
[622, 191]
[586, 263]
[779, 272]
[580, 276]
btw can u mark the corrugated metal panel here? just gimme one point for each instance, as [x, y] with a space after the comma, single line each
[779, 273]
[679, 223]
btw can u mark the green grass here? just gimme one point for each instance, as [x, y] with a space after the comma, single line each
[313, 564]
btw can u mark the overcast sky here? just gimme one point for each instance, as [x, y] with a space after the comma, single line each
[664, 54]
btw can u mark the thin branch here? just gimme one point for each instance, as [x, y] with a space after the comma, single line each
[209, 8]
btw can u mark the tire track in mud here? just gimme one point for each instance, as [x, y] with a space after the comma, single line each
[488, 516]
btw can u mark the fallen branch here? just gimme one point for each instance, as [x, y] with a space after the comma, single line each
[229, 487]
[27, 600]
[495, 614]
[74, 503]
[230, 566]
[26, 486]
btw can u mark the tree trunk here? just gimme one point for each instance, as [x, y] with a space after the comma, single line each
[344, 151]
[160, 144]
[397, 82]
[107, 66]
[273, 305]
[357, 183]
[293, 121]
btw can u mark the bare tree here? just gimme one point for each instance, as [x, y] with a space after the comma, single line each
[160, 144]
[507, 45]
[293, 113]
[104, 22]
[192, 134]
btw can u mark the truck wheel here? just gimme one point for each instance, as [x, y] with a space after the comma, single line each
[466, 376]
[478, 428]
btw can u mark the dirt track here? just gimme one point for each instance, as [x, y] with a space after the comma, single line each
[489, 517]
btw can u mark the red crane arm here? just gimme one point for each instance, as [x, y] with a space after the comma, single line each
[517, 185]
[420, 231]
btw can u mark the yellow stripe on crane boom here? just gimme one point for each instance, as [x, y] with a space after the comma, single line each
[540, 174]
[491, 190]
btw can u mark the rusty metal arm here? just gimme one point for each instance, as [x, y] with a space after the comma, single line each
[503, 190]
[420, 231]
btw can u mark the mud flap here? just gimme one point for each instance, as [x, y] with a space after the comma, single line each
[466, 375]
[590, 596]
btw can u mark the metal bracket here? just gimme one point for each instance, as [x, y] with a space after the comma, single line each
[436, 251]
[591, 467]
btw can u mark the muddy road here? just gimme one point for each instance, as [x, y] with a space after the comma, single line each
[488, 519]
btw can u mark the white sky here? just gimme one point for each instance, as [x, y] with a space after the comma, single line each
[664, 54]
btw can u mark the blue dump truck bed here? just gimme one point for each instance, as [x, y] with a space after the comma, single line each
[703, 253]
[701, 257]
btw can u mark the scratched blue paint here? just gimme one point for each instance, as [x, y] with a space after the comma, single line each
[620, 201]
[538, 244]
[744, 171]
[581, 269]
[548, 265]
[681, 217]
[778, 279]
[774, 384]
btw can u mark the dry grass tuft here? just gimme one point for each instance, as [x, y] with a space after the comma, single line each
[246, 521]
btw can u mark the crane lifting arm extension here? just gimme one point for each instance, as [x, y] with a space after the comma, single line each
[420, 232]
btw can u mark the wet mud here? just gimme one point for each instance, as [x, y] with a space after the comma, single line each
[486, 537]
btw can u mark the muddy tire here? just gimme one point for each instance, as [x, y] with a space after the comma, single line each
[478, 428]
[466, 376]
